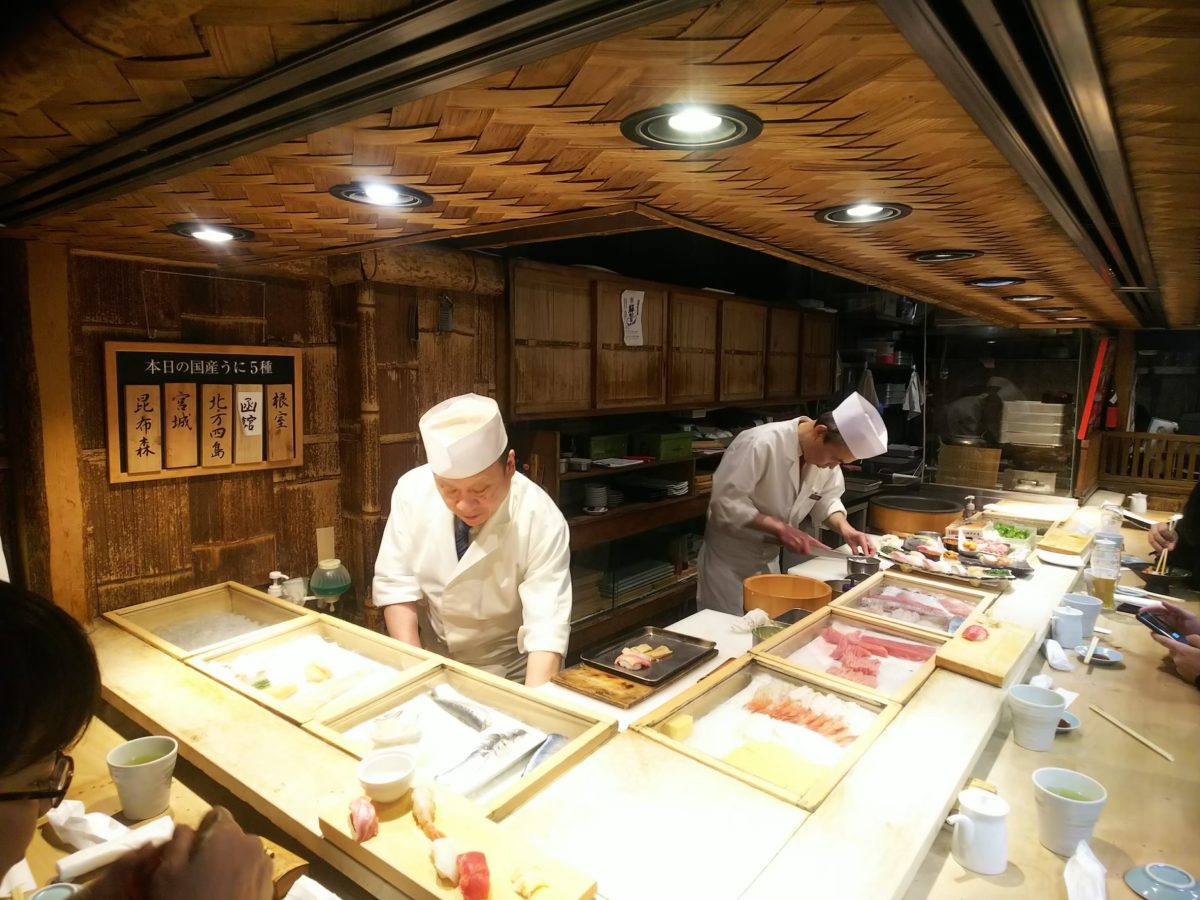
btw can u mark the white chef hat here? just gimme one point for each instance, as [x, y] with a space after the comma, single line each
[861, 427]
[463, 435]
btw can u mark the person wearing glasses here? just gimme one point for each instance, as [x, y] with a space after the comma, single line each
[51, 685]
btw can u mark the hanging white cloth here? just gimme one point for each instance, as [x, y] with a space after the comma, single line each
[866, 387]
[914, 395]
[3, 564]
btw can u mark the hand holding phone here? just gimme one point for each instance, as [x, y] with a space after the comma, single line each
[1157, 625]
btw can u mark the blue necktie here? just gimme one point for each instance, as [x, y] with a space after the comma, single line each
[462, 536]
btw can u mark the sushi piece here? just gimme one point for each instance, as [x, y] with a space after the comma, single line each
[315, 672]
[425, 811]
[364, 821]
[527, 882]
[660, 652]
[281, 691]
[444, 853]
[975, 633]
[473, 878]
[634, 661]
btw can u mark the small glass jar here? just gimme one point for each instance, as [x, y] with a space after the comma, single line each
[330, 579]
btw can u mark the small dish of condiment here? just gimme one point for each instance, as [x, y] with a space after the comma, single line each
[1104, 656]
[1067, 723]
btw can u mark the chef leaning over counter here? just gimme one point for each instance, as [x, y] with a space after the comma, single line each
[771, 478]
[475, 559]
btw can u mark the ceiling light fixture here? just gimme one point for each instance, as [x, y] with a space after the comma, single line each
[1028, 298]
[212, 234]
[1052, 309]
[1069, 318]
[862, 213]
[691, 126]
[374, 193]
[936, 256]
[994, 281]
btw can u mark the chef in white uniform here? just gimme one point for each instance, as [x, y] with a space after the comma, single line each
[769, 480]
[475, 562]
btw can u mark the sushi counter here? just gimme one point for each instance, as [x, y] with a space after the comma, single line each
[687, 794]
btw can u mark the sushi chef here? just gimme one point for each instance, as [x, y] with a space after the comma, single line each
[475, 559]
[770, 479]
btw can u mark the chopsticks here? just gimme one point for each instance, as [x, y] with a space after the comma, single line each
[1133, 734]
[1091, 649]
[1160, 565]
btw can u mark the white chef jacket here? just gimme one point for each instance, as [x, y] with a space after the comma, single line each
[761, 472]
[509, 595]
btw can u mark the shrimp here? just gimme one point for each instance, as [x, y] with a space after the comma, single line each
[424, 811]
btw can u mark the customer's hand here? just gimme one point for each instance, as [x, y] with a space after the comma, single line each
[216, 860]
[1185, 657]
[1163, 537]
[1179, 619]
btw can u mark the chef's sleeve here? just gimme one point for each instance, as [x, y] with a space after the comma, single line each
[546, 589]
[831, 498]
[394, 580]
[736, 479]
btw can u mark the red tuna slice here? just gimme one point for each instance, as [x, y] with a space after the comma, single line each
[875, 646]
[473, 878]
[905, 650]
[975, 633]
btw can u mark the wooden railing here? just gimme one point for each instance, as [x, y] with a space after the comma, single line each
[1155, 461]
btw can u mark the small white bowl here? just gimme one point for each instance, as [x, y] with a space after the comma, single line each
[386, 775]
[1104, 656]
[1072, 721]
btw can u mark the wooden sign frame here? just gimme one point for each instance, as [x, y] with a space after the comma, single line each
[220, 374]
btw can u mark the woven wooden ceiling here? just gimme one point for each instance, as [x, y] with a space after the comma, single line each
[851, 113]
[1151, 55]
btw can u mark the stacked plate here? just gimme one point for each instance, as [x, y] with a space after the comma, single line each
[615, 497]
[647, 488]
[635, 579]
[595, 496]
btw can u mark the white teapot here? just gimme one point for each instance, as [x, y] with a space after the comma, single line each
[980, 841]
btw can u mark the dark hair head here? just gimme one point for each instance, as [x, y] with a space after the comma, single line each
[832, 433]
[51, 682]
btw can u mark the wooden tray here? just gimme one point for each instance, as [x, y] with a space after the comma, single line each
[990, 660]
[848, 602]
[586, 731]
[711, 692]
[146, 619]
[781, 646]
[602, 686]
[400, 853]
[406, 660]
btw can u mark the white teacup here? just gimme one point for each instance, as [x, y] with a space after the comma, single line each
[1067, 626]
[142, 769]
[1089, 606]
[1068, 805]
[1035, 715]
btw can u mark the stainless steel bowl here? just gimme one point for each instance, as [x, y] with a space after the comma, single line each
[861, 567]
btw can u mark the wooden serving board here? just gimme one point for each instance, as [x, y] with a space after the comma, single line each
[603, 686]
[990, 660]
[400, 853]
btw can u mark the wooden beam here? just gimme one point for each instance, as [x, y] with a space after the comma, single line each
[421, 266]
[48, 266]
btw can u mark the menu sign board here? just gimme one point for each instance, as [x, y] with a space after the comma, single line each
[176, 410]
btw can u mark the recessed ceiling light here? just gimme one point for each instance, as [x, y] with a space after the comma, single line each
[863, 213]
[1028, 298]
[691, 126]
[1069, 318]
[993, 281]
[393, 196]
[1051, 309]
[936, 256]
[212, 234]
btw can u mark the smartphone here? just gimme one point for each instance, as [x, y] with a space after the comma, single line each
[1154, 623]
[1132, 608]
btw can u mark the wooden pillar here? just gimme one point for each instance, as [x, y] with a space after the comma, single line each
[49, 314]
[367, 520]
[1126, 374]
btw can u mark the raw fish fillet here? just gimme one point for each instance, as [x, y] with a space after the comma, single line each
[776, 702]
[363, 819]
[473, 878]
[858, 677]
[956, 607]
[902, 649]
[633, 661]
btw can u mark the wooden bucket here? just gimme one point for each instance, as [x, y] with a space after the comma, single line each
[776, 594]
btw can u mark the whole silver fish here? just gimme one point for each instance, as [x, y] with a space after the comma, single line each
[547, 748]
[493, 744]
[470, 714]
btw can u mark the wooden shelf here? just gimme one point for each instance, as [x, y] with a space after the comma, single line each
[604, 472]
[634, 518]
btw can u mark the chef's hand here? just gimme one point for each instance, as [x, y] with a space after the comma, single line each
[1185, 657]
[216, 860]
[798, 541]
[1176, 617]
[1163, 537]
[860, 544]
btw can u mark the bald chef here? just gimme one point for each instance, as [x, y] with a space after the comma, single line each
[769, 480]
[475, 561]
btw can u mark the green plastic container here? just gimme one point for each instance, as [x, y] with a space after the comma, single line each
[667, 445]
[607, 446]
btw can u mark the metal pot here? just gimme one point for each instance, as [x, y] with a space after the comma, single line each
[861, 567]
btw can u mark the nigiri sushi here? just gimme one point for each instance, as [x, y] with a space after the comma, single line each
[527, 882]
[444, 853]
[473, 878]
[633, 660]
[363, 819]
[424, 811]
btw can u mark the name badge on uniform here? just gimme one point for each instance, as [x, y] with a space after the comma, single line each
[814, 497]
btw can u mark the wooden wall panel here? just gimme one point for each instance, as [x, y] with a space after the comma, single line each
[818, 357]
[783, 353]
[743, 345]
[630, 376]
[693, 368]
[551, 326]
